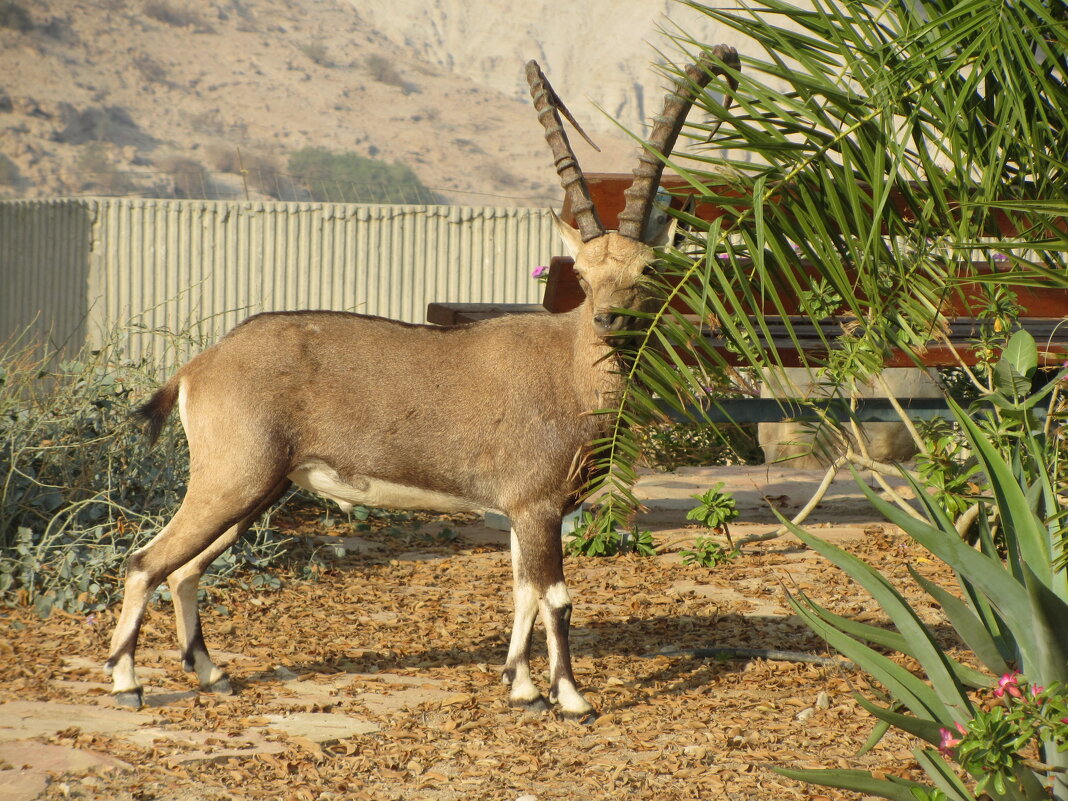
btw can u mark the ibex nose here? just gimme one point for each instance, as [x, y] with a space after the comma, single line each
[606, 322]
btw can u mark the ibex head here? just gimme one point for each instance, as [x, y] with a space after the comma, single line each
[610, 265]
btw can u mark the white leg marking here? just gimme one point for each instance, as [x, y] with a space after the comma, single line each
[523, 690]
[557, 595]
[526, 610]
[564, 691]
[123, 677]
[570, 699]
[184, 591]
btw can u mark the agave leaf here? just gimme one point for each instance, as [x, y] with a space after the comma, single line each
[943, 775]
[927, 730]
[893, 639]
[968, 625]
[860, 781]
[902, 685]
[986, 574]
[878, 731]
[1050, 624]
[1025, 529]
[921, 644]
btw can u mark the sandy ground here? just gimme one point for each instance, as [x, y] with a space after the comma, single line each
[380, 677]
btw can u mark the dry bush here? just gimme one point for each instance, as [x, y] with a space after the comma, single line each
[317, 53]
[98, 172]
[9, 172]
[383, 71]
[264, 175]
[223, 158]
[151, 70]
[177, 17]
[261, 172]
[188, 177]
[13, 15]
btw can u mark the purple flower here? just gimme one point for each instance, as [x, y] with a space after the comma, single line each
[538, 272]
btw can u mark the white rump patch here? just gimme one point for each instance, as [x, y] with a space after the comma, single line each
[366, 491]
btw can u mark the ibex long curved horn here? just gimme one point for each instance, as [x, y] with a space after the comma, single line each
[666, 130]
[546, 103]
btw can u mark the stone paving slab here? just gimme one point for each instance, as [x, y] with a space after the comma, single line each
[23, 720]
[26, 767]
[320, 727]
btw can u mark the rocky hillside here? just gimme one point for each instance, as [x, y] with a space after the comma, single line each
[178, 97]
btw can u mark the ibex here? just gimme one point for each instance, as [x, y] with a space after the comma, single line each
[363, 410]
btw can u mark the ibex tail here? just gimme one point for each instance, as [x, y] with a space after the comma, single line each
[158, 408]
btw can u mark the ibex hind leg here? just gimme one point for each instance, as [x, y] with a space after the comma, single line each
[183, 584]
[203, 518]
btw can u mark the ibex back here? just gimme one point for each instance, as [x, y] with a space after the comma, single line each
[363, 410]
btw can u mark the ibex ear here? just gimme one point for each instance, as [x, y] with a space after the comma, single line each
[571, 236]
[665, 235]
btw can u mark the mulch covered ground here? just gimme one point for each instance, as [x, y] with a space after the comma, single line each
[436, 616]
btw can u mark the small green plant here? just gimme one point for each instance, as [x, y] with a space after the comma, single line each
[943, 466]
[715, 510]
[708, 553]
[598, 535]
[1021, 717]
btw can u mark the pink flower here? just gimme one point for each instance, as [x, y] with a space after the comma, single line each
[538, 272]
[949, 741]
[1007, 684]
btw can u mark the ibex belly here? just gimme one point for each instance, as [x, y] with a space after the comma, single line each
[367, 491]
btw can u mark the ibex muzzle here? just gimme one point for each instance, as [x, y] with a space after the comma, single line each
[493, 415]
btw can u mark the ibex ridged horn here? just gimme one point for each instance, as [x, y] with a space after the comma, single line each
[547, 104]
[666, 130]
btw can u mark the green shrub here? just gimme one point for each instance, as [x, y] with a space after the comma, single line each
[597, 535]
[350, 178]
[79, 485]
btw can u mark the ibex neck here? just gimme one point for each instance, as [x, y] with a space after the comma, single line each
[597, 376]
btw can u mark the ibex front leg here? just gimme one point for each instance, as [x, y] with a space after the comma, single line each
[538, 584]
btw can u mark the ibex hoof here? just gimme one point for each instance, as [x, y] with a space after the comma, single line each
[131, 698]
[585, 718]
[536, 704]
[221, 687]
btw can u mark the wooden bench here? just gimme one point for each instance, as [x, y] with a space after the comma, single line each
[797, 339]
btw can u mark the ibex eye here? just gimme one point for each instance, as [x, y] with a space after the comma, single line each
[649, 270]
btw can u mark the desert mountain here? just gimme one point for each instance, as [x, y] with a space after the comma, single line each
[177, 97]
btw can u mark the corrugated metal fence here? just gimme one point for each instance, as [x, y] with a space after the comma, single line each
[77, 270]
